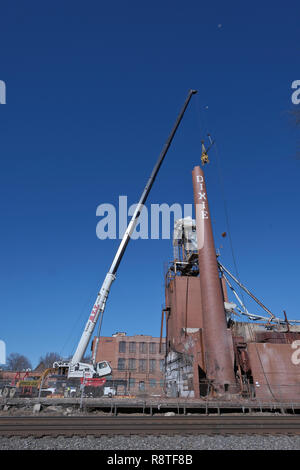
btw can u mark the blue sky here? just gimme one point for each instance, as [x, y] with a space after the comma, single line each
[93, 89]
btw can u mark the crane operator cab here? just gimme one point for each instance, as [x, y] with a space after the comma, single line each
[103, 368]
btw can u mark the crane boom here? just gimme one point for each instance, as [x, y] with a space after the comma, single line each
[99, 305]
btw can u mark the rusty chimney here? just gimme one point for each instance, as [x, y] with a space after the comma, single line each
[218, 357]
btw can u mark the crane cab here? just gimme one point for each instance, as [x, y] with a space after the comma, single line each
[103, 368]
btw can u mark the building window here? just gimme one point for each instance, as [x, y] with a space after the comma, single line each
[131, 364]
[143, 348]
[121, 364]
[161, 383]
[132, 347]
[152, 383]
[131, 383]
[152, 365]
[142, 386]
[161, 365]
[122, 346]
[152, 348]
[142, 365]
[163, 348]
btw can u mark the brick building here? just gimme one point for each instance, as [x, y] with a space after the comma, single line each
[137, 364]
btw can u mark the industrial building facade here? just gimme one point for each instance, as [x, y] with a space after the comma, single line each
[137, 362]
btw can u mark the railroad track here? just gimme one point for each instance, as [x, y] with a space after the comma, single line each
[39, 426]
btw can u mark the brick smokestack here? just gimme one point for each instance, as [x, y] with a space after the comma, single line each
[218, 358]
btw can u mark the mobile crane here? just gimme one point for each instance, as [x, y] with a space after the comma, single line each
[95, 372]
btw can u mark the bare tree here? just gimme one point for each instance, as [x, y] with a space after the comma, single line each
[18, 362]
[86, 359]
[49, 358]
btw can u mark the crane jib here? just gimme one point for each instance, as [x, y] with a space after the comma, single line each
[99, 305]
[94, 312]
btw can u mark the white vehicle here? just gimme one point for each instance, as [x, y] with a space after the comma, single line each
[109, 392]
[75, 367]
[51, 390]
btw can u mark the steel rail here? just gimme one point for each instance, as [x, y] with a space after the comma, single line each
[94, 425]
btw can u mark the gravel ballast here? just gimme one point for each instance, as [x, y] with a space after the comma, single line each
[201, 442]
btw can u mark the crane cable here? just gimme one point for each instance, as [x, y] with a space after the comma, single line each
[70, 341]
[220, 178]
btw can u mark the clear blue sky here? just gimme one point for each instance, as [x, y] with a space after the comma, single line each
[93, 89]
